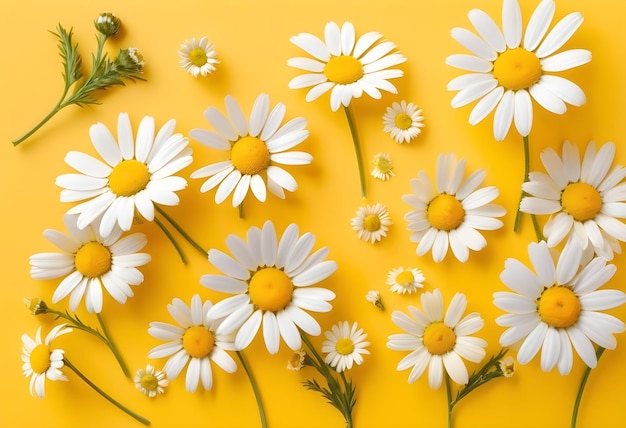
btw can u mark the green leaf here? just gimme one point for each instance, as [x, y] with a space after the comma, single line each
[69, 53]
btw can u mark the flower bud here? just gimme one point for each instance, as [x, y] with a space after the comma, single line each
[36, 305]
[129, 61]
[107, 24]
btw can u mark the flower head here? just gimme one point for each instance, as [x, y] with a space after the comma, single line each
[557, 306]
[507, 366]
[451, 213]
[403, 121]
[255, 147]
[584, 200]
[195, 340]
[197, 57]
[107, 24]
[36, 305]
[371, 222]
[133, 177]
[40, 361]
[383, 167]
[296, 362]
[344, 345]
[506, 70]
[436, 340]
[373, 296]
[151, 381]
[129, 62]
[345, 64]
[405, 280]
[271, 281]
[88, 262]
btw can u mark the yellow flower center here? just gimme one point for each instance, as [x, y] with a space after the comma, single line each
[403, 121]
[198, 341]
[270, 289]
[344, 346]
[439, 338]
[517, 69]
[40, 359]
[371, 223]
[129, 177]
[149, 382]
[250, 155]
[198, 57]
[93, 259]
[445, 212]
[343, 69]
[581, 200]
[383, 165]
[559, 307]
[405, 278]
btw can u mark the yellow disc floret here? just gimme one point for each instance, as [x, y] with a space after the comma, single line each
[149, 382]
[445, 212]
[403, 121]
[344, 346]
[517, 69]
[343, 69]
[581, 200]
[405, 278]
[371, 223]
[270, 289]
[439, 338]
[250, 155]
[93, 259]
[198, 341]
[559, 307]
[129, 177]
[40, 358]
[198, 57]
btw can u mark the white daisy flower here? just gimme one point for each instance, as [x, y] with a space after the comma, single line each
[40, 361]
[296, 362]
[345, 64]
[373, 296]
[505, 71]
[344, 345]
[255, 146]
[383, 167]
[557, 306]
[371, 222]
[151, 381]
[271, 282]
[507, 366]
[195, 340]
[584, 200]
[198, 57]
[405, 280]
[437, 341]
[452, 213]
[403, 121]
[133, 177]
[90, 261]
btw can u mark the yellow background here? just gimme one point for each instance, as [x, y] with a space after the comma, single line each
[252, 41]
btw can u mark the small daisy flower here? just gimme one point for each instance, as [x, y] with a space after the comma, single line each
[254, 147]
[373, 296]
[383, 167]
[506, 70]
[438, 341]
[371, 222]
[272, 282]
[584, 200]
[558, 306]
[40, 361]
[195, 340]
[403, 121]
[296, 362]
[151, 381]
[405, 280]
[451, 213]
[89, 262]
[134, 176]
[507, 366]
[345, 65]
[344, 345]
[198, 57]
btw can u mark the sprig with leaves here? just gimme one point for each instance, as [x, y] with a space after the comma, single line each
[104, 73]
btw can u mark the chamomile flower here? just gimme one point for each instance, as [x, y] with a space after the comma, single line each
[255, 148]
[584, 200]
[558, 306]
[40, 361]
[272, 285]
[403, 121]
[135, 174]
[151, 381]
[296, 362]
[451, 213]
[89, 261]
[405, 280]
[383, 167]
[345, 65]
[371, 222]
[507, 366]
[506, 70]
[373, 296]
[344, 345]
[436, 341]
[198, 57]
[194, 343]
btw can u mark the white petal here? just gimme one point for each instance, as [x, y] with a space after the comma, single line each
[512, 23]
[546, 98]
[469, 63]
[566, 60]
[560, 34]
[564, 89]
[538, 24]
[504, 116]
[487, 28]
[523, 113]
[474, 43]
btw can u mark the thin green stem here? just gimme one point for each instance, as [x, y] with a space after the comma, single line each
[240, 209]
[357, 149]
[180, 230]
[112, 346]
[172, 240]
[449, 395]
[255, 389]
[105, 395]
[518, 214]
[581, 388]
[43, 121]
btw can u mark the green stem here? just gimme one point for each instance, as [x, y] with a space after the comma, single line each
[105, 395]
[112, 346]
[357, 149]
[180, 230]
[172, 240]
[581, 388]
[240, 208]
[43, 121]
[255, 389]
[518, 214]
[450, 404]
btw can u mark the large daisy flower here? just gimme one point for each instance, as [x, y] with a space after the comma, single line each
[90, 261]
[557, 306]
[272, 281]
[194, 340]
[345, 346]
[134, 176]
[584, 200]
[506, 70]
[40, 361]
[437, 341]
[254, 147]
[451, 213]
[345, 64]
